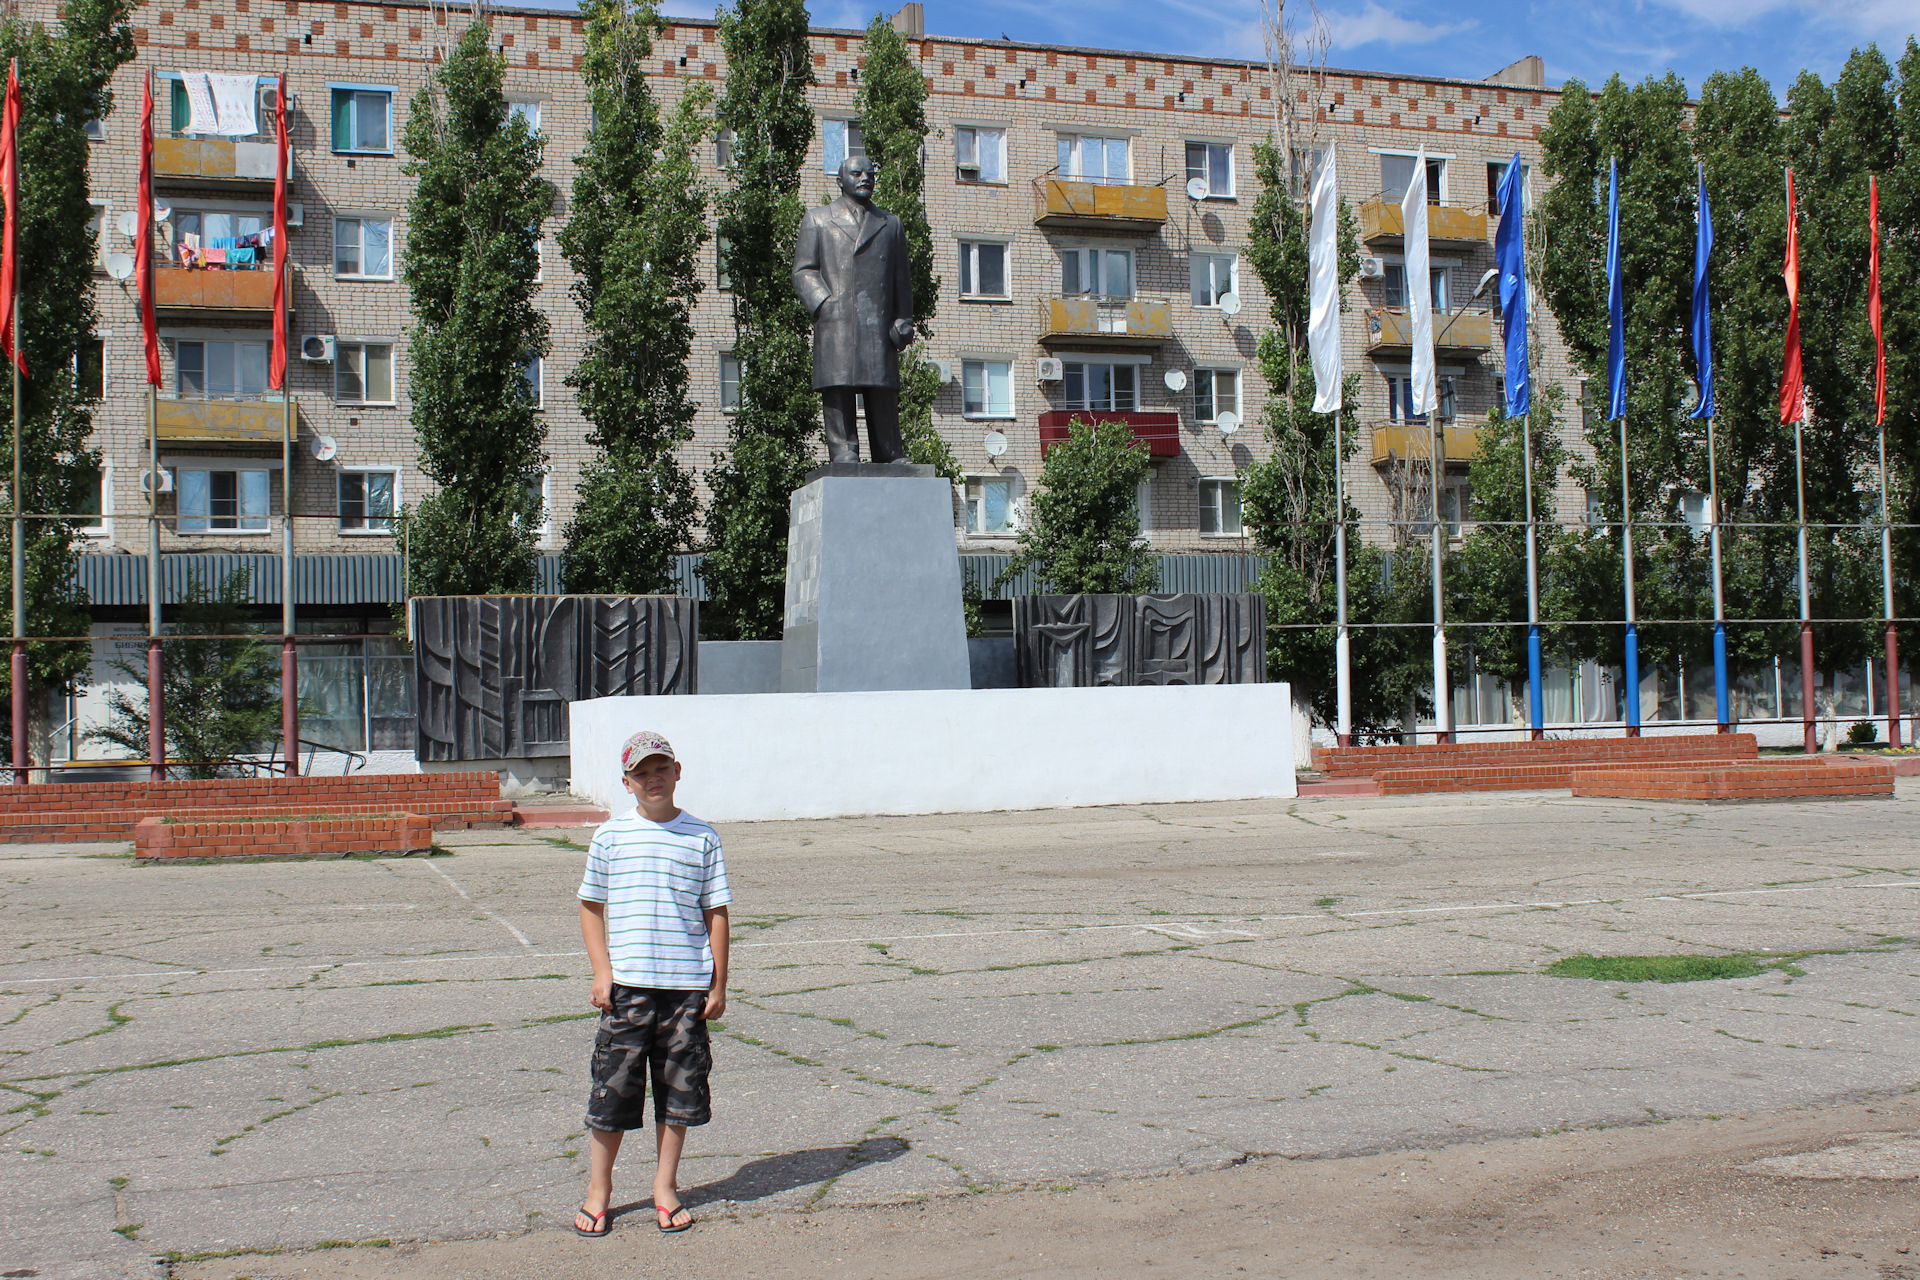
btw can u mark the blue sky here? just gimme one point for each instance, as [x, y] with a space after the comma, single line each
[1465, 38]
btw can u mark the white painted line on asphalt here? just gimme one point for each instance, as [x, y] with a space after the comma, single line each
[372, 906]
[497, 919]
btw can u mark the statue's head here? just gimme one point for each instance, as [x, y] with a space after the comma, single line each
[856, 177]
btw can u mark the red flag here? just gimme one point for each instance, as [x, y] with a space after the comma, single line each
[10, 198]
[277, 362]
[1873, 304]
[1793, 389]
[143, 236]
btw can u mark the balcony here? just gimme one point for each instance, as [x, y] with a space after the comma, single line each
[1098, 206]
[1096, 318]
[1157, 429]
[222, 422]
[214, 163]
[1404, 441]
[195, 296]
[1466, 333]
[1380, 220]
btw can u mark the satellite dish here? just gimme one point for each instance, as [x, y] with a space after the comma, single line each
[119, 266]
[1176, 379]
[1230, 304]
[1196, 189]
[129, 223]
[325, 448]
[161, 212]
[1228, 421]
[995, 443]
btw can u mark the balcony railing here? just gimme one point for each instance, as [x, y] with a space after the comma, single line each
[1097, 317]
[1098, 206]
[1407, 441]
[242, 296]
[1464, 331]
[1380, 220]
[216, 162]
[1157, 429]
[222, 421]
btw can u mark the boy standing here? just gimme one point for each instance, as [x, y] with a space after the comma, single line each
[653, 911]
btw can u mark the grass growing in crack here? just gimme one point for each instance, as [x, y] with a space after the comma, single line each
[1659, 968]
[130, 1230]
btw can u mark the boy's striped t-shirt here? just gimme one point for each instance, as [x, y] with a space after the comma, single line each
[656, 879]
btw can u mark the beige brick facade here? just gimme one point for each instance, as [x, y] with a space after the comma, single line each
[1153, 105]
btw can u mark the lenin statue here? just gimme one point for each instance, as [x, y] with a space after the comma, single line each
[850, 269]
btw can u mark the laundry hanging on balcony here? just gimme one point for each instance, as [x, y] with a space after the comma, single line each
[223, 105]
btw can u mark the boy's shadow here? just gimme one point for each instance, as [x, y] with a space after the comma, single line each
[770, 1175]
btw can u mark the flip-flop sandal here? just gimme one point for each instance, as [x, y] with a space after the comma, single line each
[666, 1224]
[601, 1218]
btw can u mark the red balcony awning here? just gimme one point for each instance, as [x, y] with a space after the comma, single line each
[1158, 429]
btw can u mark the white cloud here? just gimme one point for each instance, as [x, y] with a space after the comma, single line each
[1377, 24]
[1888, 20]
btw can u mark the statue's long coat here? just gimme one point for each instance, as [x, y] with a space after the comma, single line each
[851, 271]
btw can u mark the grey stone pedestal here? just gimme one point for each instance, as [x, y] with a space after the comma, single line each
[873, 583]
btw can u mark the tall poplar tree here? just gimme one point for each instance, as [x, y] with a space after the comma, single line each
[64, 77]
[637, 222]
[770, 448]
[472, 267]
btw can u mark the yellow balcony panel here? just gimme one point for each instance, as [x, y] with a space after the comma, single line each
[237, 297]
[1098, 206]
[1380, 220]
[1469, 332]
[229, 422]
[213, 162]
[1401, 441]
[1099, 319]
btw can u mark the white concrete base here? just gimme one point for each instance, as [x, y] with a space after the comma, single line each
[751, 757]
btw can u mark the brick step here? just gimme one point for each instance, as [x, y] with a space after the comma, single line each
[1770, 780]
[1539, 776]
[96, 826]
[155, 839]
[558, 815]
[1360, 762]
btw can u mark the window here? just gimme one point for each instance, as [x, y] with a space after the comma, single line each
[983, 270]
[220, 229]
[729, 381]
[986, 388]
[96, 501]
[363, 373]
[1495, 172]
[1394, 282]
[1456, 505]
[1400, 399]
[980, 154]
[841, 140]
[989, 505]
[181, 102]
[363, 248]
[363, 120]
[1143, 505]
[1220, 507]
[1092, 159]
[1101, 271]
[1447, 400]
[1695, 509]
[722, 275]
[203, 370]
[1212, 163]
[1211, 275]
[96, 129]
[1305, 168]
[1215, 391]
[222, 501]
[90, 368]
[1112, 387]
[528, 111]
[530, 374]
[1396, 175]
[723, 150]
[366, 501]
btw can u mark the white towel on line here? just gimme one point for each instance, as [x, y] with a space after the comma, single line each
[234, 100]
[200, 102]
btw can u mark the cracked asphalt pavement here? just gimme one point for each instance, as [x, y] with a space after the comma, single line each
[210, 1058]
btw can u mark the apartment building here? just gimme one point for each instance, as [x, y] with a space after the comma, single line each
[1090, 213]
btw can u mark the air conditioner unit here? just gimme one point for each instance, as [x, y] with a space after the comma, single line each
[1372, 268]
[317, 348]
[1049, 369]
[296, 214]
[166, 481]
[943, 369]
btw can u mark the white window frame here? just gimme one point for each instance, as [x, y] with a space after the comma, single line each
[1083, 267]
[366, 529]
[1443, 159]
[980, 172]
[1526, 186]
[538, 381]
[970, 247]
[1456, 504]
[986, 366]
[102, 532]
[723, 150]
[729, 358]
[1216, 485]
[526, 108]
[843, 126]
[361, 219]
[203, 340]
[1210, 144]
[1194, 261]
[1081, 362]
[1143, 505]
[1436, 267]
[1211, 374]
[1071, 170]
[975, 495]
[391, 91]
[340, 349]
[206, 528]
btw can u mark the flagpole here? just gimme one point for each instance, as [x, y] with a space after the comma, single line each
[289, 650]
[1536, 696]
[1721, 708]
[1633, 630]
[22, 758]
[143, 260]
[1880, 420]
[1809, 727]
[1442, 686]
[1342, 642]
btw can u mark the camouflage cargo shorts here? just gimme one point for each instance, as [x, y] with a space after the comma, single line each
[657, 1034]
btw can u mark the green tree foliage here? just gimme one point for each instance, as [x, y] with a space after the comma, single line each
[472, 267]
[633, 238]
[1082, 534]
[770, 448]
[222, 695]
[64, 78]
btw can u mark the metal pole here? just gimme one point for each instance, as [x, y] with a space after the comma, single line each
[1342, 643]
[289, 653]
[1886, 590]
[21, 759]
[1536, 696]
[1632, 673]
[1811, 729]
[1721, 707]
[1442, 687]
[156, 687]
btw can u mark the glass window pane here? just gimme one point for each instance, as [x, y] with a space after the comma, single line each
[1229, 508]
[194, 501]
[1227, 389]
[250, 368]
[1100, 386]
[1440, 289]
[1074, 384]
[380, 496]
[346, 246]
[993, 270]
[1125, 386]
[999, 388]
[1203, 394]
[973, 394]
[1220, 169]
[1209, 506]
[993, 155]
[1070, 270]
[190, 368]
[1119, 273]
[378, 235]
[380, 374]
[219, 228]
[1116, 160]
[370, 110]
[1396, 175]
[220, 368]
[353, 500]
[1196, 160]
[995, 506]
[1092, 159]
[342, 119]
[349, 367]
[1394, 282]
[223, 498]
[253, 499]
[246, 224]
[1067, 167]
[966, 149]
[833, 141]
[966, 270]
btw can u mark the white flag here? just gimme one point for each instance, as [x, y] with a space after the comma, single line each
[1323, 320]
[1413, 222]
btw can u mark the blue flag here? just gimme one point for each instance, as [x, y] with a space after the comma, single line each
[1509, 254]
[1702, 309]
[1616, 300]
